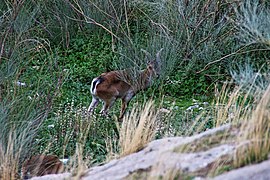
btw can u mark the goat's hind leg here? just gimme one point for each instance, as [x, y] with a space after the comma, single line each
[93, 104]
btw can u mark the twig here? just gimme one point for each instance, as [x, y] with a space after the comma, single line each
[88, 19]
[228, 55]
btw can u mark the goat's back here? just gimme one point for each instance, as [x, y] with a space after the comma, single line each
[112, 84]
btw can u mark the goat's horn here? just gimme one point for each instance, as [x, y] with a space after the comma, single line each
[158, 55]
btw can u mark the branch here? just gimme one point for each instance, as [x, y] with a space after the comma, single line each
[228, 55]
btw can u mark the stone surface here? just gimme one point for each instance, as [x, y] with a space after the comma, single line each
[259, 171]
[162, 156]
[53, 177]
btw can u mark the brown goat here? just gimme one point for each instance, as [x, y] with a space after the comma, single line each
[113, 85]
[40, 165]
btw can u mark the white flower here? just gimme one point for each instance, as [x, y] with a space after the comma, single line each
[205, 103]
[190, 108]
[51, 126]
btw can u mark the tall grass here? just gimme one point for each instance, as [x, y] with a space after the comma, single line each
[255, 141]
[191, 33]
[252, 23]
[20, 120]
[232, 105]
[138, 128]
[24, 102]
[10, 156]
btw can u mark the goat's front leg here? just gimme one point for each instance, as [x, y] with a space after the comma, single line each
[123, 109]
[125, 103]
[93, 104]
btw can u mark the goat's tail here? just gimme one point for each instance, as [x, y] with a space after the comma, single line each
[95, 82]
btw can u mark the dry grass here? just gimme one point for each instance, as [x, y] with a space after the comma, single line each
[231, 106]
[112, 148]
[250, 114]
[78, 164]
[10, 157]
[138, 128]
[255, 141]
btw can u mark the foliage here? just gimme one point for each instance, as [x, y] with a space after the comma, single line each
[50, 52]
[84, 60]
[72, 126]
[252, 23]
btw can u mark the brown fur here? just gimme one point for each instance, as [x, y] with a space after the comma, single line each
[40, 165]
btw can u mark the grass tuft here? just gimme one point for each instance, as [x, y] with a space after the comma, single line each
[138, 128]
[255, 142]
[9, 158]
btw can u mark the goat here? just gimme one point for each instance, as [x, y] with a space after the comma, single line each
[40, 165]
[113, 85]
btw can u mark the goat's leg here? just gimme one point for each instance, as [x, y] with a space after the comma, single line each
[123, 109]
[125, 102]
[107, 105]
[93, 104]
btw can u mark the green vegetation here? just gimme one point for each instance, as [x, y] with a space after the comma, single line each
[50, 52]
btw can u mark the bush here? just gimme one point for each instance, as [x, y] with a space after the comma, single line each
[84, 60]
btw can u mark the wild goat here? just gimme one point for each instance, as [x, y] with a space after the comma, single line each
[40, 165]
[122, 84]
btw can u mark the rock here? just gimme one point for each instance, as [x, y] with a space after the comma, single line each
[259, 171]
[161, 154]
[53, 177]
[177, 157]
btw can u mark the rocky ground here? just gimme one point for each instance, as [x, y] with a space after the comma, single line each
[207, 155]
